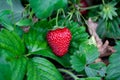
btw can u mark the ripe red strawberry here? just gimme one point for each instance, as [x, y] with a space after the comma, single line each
[59, 40]
[83, 5]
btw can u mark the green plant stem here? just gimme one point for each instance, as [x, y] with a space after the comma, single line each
[58, 12]
[103, 2]
[27, 54]
[83, 18]
[31, 14]
[57, 17]
[70, 16]
[69, 73]
[27, 7]
[91, 7]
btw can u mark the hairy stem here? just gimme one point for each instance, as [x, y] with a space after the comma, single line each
[103, 2]
[91, 7]
[58, 12]
[69, 73]
[27, 54]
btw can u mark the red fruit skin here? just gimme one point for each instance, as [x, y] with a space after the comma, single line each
[83, 5]
[59, 40]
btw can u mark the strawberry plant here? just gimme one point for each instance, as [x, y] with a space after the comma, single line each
[59, 40]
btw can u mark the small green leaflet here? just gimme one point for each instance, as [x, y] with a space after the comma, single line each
[41, 69]
[78, 62]
[24, 22]
[91, 52]
[113, 68]
[44, 9]
[96, 69]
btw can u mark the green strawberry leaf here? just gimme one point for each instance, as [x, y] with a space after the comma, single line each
[113, 72]
[33, 41]
[91, 53]
[35, 38]
[11, 42]
[24, 22]
[18, 67]
[42, 69]
[15, 6]
[96, 69]
[5, 12]
[78, 62]
[109, 28]
[10, 12]
[44, 9]
[90, 78]
[4, 20]
[79, 34]
[64, 61]
[12, 68]
[60, 4]
[86, 55]
[5, 71]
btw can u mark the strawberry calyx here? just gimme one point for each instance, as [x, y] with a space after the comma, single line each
[56, 27]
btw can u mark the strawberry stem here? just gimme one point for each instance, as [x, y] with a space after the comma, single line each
[91, 7]
[70, 15]
[103, 2]
[69, 73]
[58, 12]
[27, 54]
[83, 18]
